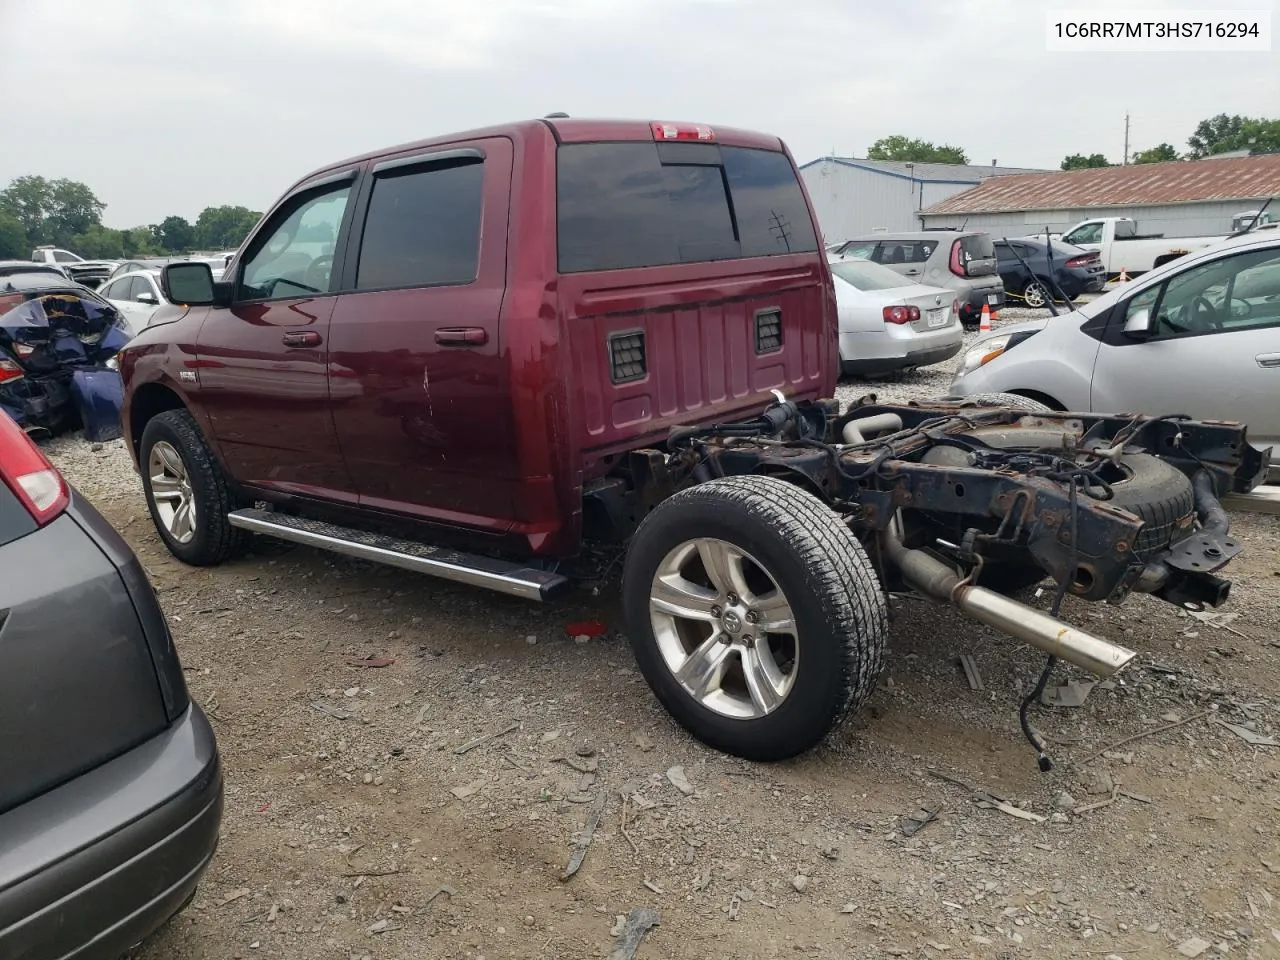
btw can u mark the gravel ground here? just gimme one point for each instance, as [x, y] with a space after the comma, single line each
[357, 826]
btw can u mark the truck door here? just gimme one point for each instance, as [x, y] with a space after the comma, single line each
[420, 398]
[262, 365]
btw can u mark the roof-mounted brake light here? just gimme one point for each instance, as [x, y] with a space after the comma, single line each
[676, 131]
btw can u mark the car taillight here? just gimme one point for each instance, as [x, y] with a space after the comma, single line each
[901, 314]
[677, 131]
[31, 477]
[1083, 261]
[957, 258]
[955, 306]
[23, 350]
[9, 371]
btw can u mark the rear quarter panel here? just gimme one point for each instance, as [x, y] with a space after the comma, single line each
[572, 421]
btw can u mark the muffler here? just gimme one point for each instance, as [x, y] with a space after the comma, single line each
[935, 579]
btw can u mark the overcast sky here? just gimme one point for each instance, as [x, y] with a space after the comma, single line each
[168, 106]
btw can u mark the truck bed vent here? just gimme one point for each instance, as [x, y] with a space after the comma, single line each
[768, 330]
[626, 356]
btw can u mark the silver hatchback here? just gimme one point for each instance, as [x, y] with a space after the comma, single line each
[962, 262]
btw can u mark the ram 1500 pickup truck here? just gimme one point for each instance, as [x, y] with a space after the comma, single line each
[497, 356]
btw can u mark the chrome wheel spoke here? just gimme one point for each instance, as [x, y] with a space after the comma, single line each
[164, 487]
[724, 566]
[703, 670]
[775, 613]
[678, 597]
[170, 459]
[765, 681]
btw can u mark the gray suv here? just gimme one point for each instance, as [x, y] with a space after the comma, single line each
[110, 784]
[963, 262]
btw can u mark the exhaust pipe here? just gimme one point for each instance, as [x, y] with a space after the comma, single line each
[934, 578]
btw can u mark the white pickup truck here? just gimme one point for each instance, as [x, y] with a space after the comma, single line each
[1124, 249]
[89, 272]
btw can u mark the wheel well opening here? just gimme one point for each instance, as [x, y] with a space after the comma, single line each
[1039, 397]
[149, 401]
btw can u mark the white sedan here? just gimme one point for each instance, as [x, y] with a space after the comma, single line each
[889, 323]
[136, 296]
[1198, 336]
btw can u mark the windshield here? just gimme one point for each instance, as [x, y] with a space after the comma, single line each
[865, 275]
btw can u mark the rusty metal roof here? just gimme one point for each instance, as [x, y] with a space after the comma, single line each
[1138, 185]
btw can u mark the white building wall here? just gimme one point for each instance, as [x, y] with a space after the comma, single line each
[851, 201]
[1210, 218]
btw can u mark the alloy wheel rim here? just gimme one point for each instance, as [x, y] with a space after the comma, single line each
[171, 490]
[724, 628]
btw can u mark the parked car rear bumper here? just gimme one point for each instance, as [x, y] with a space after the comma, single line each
[872, 354]
[971, 306]
[93, 867]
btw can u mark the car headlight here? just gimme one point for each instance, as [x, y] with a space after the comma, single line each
[112, 363]
[984, 352]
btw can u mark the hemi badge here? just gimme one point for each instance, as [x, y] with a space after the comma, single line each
[187, 376]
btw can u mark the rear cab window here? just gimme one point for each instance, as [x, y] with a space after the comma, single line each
[638, 204]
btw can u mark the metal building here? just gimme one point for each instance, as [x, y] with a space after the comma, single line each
[1182, 198]
[854, 197]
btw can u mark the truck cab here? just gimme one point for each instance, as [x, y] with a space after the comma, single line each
[470, 339]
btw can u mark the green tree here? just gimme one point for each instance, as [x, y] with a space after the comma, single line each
[140, 242]
[898, 147]
[224, 227]
[1078, 161]
[1260, 136]
[1160, 153]
[28, 200]
[14, 244]
[73, 209]
[175, 235]
[1216, 135]
[98, 243]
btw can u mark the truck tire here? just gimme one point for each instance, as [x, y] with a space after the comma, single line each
[709, 571]
[187, 492]
[1160, 494]
[1008, 400]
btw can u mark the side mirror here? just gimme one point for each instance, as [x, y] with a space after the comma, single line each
[1139, 324]
[190, 284]
[146, 297]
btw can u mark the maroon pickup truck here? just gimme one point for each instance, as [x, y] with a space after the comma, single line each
[476, 355]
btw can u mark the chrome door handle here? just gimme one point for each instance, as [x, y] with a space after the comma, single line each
[1268, 360]
[301, 338]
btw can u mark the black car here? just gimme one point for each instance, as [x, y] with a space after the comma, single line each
[110, 783]
[1074, 271]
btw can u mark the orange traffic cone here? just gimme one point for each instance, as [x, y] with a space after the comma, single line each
[1124, 276]
[985, 324]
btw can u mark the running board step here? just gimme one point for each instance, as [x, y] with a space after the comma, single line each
[510, 578]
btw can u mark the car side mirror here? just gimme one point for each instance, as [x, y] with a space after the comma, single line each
[146, 297]
[1139, 325]
[191, 284]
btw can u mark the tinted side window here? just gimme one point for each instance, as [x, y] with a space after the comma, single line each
[624, 205]
[116, 290]
[293, 257]
[423, 227]
[772, 215]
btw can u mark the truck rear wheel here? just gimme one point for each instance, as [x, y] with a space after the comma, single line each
[755, 615]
